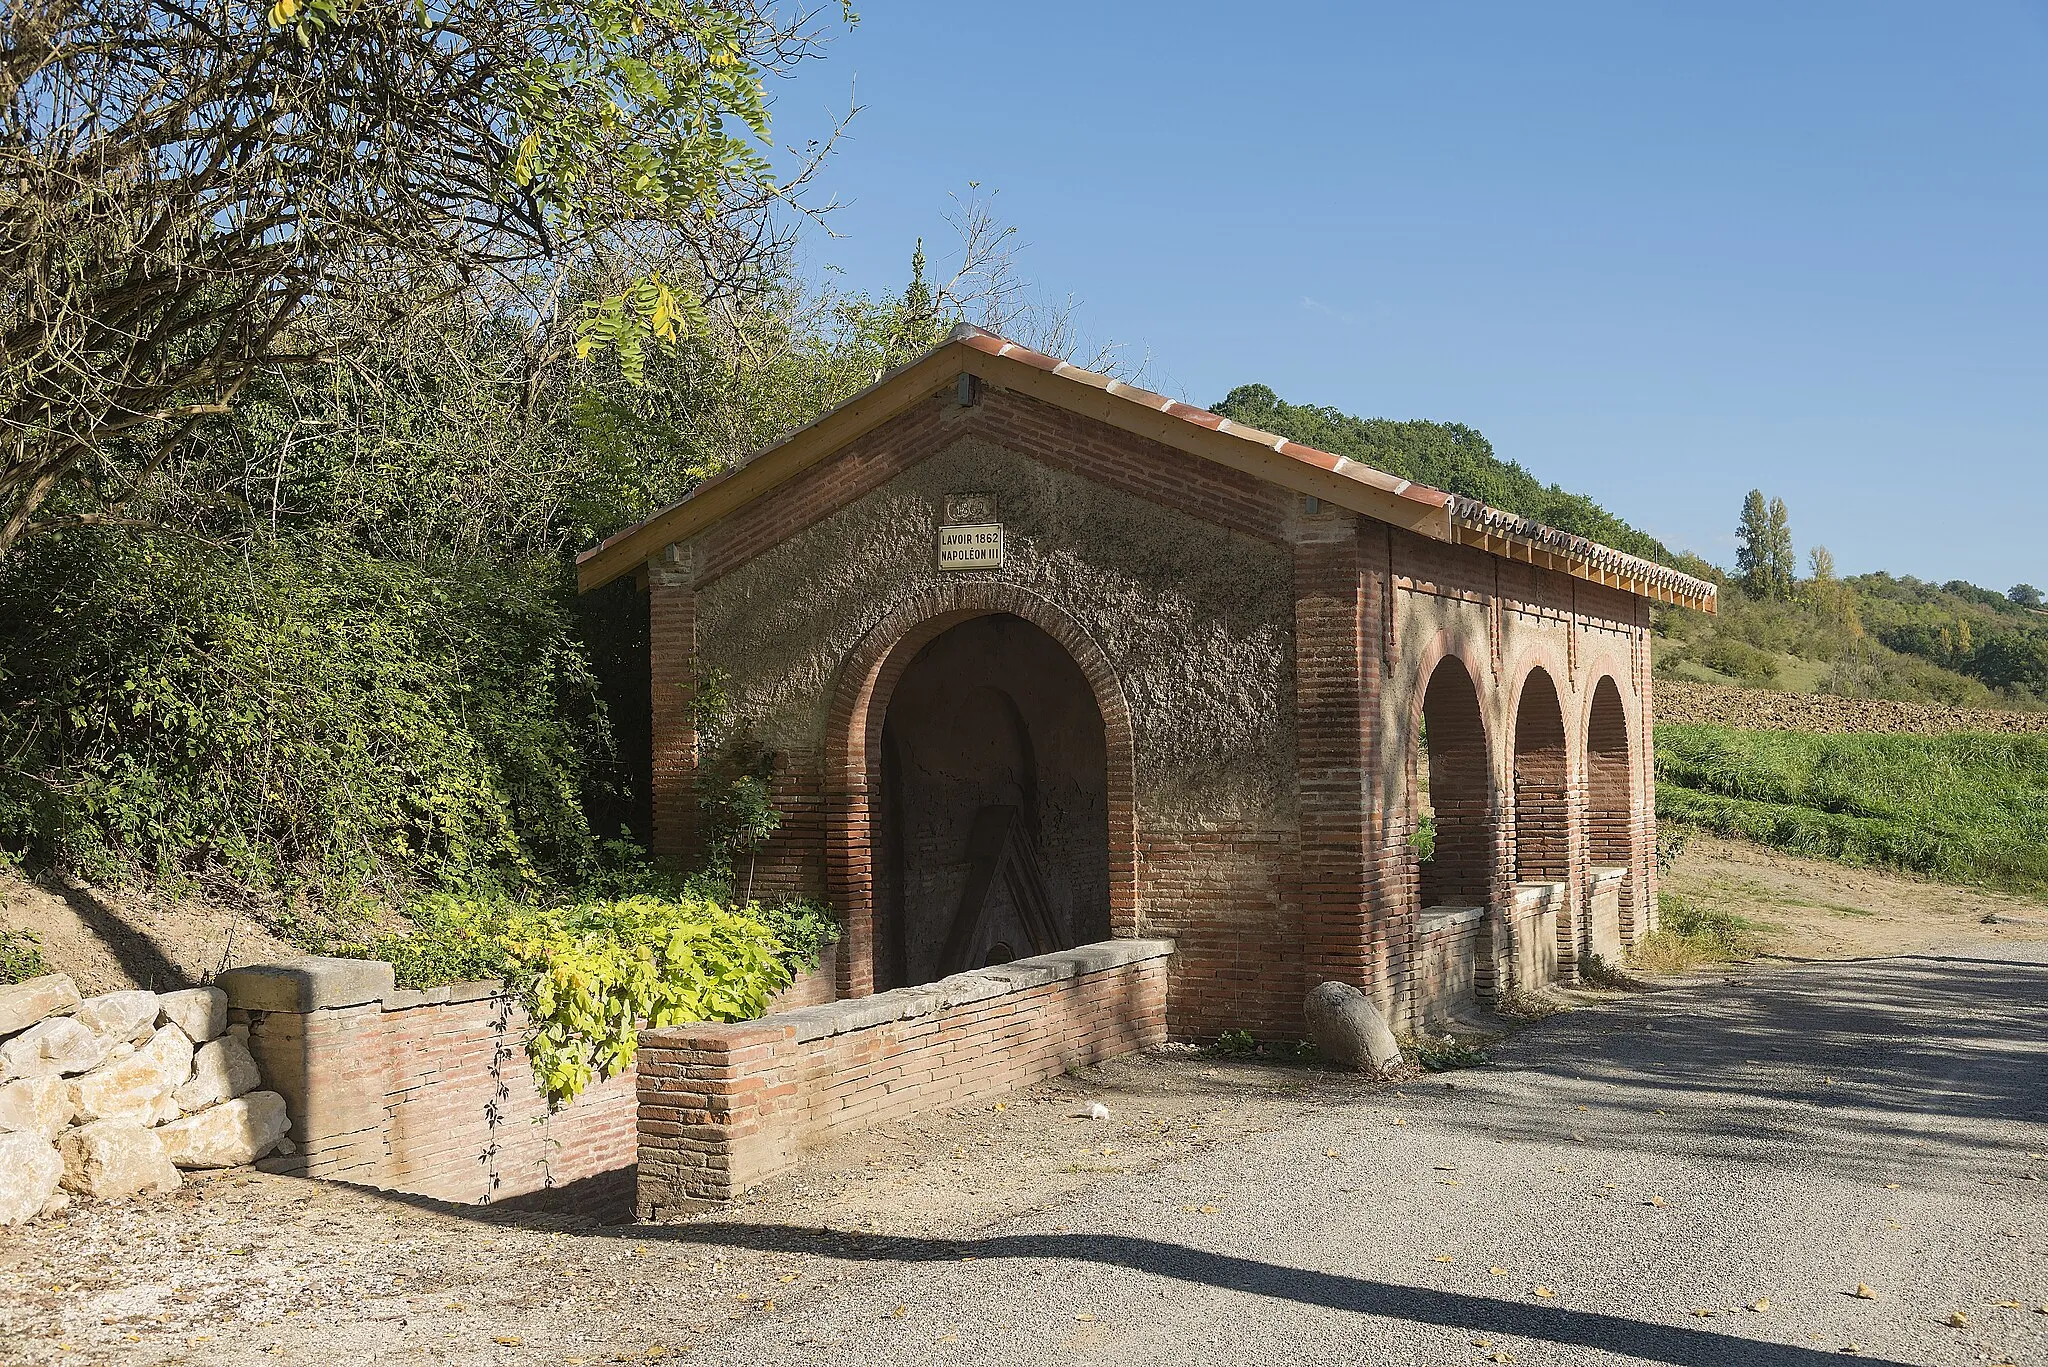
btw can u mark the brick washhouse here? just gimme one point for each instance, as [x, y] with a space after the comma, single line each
[1032, 659]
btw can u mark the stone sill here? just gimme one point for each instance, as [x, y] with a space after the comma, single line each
[1437, 918]
[1603, 874]
[909, 1003]
[1538, 896]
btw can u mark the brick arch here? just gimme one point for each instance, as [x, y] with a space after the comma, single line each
[1611, 798]
[1463, 794]
[853, 745]
[1542, 780]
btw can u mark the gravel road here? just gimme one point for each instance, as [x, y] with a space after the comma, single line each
[1703, 1176]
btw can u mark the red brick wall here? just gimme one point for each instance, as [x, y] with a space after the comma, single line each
[671, 648]
[1327, 887]
[724, 1107]
[432, 1094]
[438, 1099]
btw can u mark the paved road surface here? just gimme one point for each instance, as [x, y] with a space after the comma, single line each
[1782, 1139]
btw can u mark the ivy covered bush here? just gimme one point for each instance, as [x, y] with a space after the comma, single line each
[299, 725]
[590, 975]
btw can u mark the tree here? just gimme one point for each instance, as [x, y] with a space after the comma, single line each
[181, 185]
[1784, 563]
[1753, 546]
[2026, 595]
[1822, 562]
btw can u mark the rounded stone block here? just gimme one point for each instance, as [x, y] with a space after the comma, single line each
[1348, 1029]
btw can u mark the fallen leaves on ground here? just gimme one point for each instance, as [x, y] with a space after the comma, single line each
[1863, 1292]
[1544, 1292]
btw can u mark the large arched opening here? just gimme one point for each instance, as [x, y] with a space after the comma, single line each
[1610, 833]
[858, 847]
[989, 828]
[1542, 798]
[1454, 841]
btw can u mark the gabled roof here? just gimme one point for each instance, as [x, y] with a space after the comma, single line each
[1004, 364]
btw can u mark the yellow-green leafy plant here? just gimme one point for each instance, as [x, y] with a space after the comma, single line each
[591, 976]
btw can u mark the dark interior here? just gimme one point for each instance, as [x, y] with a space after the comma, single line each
[992, 841]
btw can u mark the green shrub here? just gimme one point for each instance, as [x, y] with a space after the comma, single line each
[802, 926]
[1234, 1044]
[1962, 807]
[21, 956]
[302, 723]
[1689, 935]
[1443, 1055]
[1740, 660]
[590, 975]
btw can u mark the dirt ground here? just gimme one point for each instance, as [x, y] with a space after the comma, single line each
[1813, 909]
[249, 1268]
[109, 940]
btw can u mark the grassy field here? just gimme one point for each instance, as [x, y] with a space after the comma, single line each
[1962, 807]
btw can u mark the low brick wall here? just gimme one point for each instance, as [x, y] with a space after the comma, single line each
[1532, 932]
[724, 1107]
[1447, 960]
[1608, 933]
[428, 1093]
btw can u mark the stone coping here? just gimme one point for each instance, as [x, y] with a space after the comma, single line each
[1434, 918]
[1607, 873]
[317, 982]
[1538, 895]
[908, 1003]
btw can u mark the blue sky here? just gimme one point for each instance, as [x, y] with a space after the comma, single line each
[1659, 254]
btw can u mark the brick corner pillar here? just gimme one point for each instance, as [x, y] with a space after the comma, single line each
[1644, 740]
[672, 678]
[1336, 680]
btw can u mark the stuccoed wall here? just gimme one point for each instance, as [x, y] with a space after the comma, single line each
[1196, 620]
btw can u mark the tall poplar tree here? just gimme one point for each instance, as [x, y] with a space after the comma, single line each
[1752, 546]
[1784, 564]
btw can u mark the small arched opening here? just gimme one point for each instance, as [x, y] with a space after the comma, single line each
[991, 834]
[1454, 835]
[1610, 828]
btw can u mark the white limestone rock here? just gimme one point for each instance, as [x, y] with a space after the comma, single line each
[25, 1004]
[110, 1159]
[1348, 1029]
[221, 1071]
[58, 1047]
[201, 1012]
[36, 1105]
[141, 1087]
[129, 1016]
[228, 1135]
[30, 1169]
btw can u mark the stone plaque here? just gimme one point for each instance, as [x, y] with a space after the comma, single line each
[975, 547]
[962, 509]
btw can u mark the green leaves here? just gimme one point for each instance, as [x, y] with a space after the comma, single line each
[624, 323]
